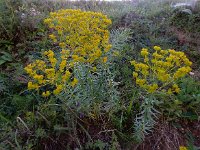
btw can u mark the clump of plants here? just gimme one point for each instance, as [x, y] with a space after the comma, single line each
[157, 74]
[160, 71]
[83, 89]
[75, 74]
[186, 22]
[81, 37]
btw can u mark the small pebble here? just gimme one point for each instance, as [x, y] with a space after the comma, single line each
[191, 73]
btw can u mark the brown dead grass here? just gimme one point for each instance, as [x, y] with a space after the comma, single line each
[164, 137]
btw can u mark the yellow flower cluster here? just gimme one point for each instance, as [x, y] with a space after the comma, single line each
[183, 148]
[159, 71]
[84, 34]
[51, 73]
[82, 37]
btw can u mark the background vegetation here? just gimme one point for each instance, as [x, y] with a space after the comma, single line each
[106, 110]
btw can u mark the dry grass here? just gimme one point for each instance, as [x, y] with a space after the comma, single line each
[164, 137]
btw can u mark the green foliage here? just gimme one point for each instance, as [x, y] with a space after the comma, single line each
[96, 92]
[6, 57]
[145, 120]
[189, 95]
[120, 42]
[21, 103]
[153, 8]
[96, 144]
[105, 110]
[8, 19]
[184, 104]
[187, 22]
[119, 38]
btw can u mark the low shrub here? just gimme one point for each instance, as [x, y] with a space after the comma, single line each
[157, 75]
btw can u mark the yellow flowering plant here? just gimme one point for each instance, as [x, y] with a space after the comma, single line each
[157, 75]
[82, 37]
[84, 34]
[160, 70]
[50, 72]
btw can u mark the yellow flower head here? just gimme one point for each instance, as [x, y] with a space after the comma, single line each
[144, 52]
[157, 48]
[105, 59]
[183, 148]
[135, 74]
[62, 45]
[46, 94]
[74, 82]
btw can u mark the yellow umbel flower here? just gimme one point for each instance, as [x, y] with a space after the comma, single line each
[58, 89]
[157, 48]
[62, 45]
[53, 37]
[135, 74]
[74, 82]
[182, 148]
[31, 86]
[144, 52]
[176, 88]
[105, 59]
[46, 94]
[152, 88]
[160, 70]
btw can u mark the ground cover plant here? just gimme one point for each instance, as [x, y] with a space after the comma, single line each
[99, 75]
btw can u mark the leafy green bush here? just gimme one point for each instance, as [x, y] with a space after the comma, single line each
[184, 104]
[9, 21]
[186, 21]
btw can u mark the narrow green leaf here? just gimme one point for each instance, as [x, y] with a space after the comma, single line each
[6, 56]
[2, 61]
